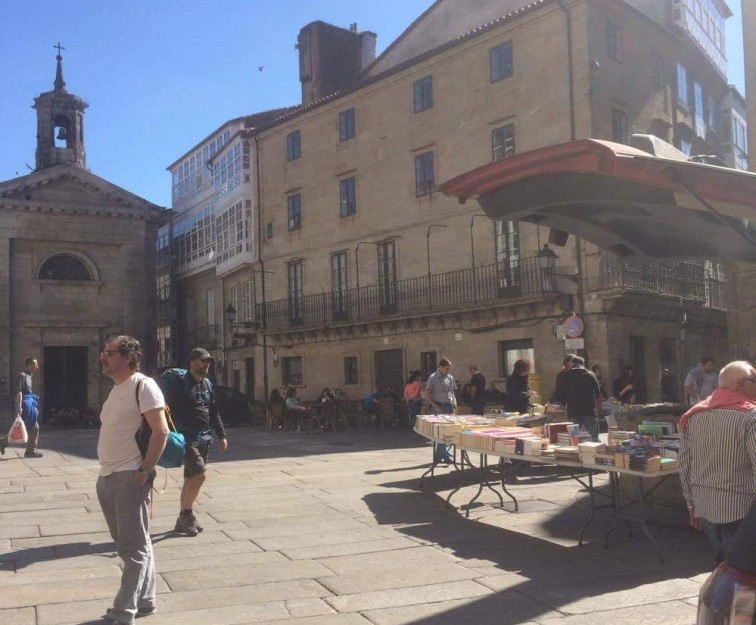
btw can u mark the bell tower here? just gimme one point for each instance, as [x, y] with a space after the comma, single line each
[60, 124]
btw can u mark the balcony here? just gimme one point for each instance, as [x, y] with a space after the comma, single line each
[434, 293]
[702, 283]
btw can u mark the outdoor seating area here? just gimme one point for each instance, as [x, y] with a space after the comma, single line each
[337, 413]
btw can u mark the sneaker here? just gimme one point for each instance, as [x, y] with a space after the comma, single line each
[3, 445]
[33, 454]
[186, 524]
[146, 612]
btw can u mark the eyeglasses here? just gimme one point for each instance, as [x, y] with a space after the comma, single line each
[109, 353]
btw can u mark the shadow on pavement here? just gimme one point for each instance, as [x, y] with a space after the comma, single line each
[21, 558]
[533, 573]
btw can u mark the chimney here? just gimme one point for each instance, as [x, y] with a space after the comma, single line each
[331, 58]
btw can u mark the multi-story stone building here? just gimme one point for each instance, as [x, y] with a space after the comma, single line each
[337, 261]
[78, 262]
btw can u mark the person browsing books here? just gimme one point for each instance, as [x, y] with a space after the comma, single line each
[581, 393]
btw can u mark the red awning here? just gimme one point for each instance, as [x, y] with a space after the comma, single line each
[625, 200]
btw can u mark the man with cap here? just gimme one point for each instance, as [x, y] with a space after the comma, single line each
[195, 413]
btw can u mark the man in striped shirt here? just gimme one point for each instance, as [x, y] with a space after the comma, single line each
[718, 456]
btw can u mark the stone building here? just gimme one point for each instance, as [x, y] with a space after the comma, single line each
[332, 259]
[78, 262]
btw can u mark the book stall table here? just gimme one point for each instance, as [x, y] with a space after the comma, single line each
[510, 462]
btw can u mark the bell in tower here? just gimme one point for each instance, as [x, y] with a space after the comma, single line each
[60, 124]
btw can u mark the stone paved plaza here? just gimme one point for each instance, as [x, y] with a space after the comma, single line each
[331, 529]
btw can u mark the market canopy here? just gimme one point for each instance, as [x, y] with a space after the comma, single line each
[639, 206]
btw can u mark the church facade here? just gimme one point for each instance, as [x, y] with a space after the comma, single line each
[77, 263]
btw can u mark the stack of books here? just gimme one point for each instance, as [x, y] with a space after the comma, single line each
[529, 445]
[641, 462]
[552, 430]
[566, 454]
[668, 464]
[564, 439]
[604, 459]
[588, 451]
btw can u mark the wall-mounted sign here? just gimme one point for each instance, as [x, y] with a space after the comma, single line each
[573, 327]
[572, 345]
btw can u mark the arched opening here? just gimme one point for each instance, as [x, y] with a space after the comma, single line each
[62, 131]
[64, 267]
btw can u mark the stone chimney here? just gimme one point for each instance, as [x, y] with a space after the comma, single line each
[331, 58]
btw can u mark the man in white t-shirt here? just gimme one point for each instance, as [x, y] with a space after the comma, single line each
[123, 487]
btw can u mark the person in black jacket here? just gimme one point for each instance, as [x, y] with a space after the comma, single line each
[518, 388]
[559, 382]
[581, 393]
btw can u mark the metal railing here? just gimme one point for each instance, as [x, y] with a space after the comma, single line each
[692, 281]
[442, 291]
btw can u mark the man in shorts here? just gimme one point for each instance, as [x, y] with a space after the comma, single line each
[194, 409]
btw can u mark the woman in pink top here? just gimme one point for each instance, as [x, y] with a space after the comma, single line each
[413, 396]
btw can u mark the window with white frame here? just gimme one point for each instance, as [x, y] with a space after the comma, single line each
[233, 229]
[249, 301]
[233, 296]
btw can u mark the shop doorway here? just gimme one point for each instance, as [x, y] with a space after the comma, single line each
[65, 375]
[638, 360]
[389, 369]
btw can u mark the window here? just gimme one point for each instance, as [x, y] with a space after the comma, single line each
[232, 230]
[163, 287]
[164, 345]
[659, 73]
[614, 41]
[294, 211]
[423, 94]
[296, 291]
[350, 370]
[503, 142]
[347, 197]
[64, 267]
[428, 364]
[227, 170]
[291, 370]
[194, 239]
[234, 301]
[269, 230]
[339, 284]
[698, 109]
[682, 86]
[424, 174]
[512, 351]
[619, 126]
[500, 61]
[387, 276]
[507, 245]
[249, 301]
[346, 125]
[293, 146]
[712, 116]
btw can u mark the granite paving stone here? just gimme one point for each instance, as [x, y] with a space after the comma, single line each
[333, 530]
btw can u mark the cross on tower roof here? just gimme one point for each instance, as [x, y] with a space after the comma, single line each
[59, 47]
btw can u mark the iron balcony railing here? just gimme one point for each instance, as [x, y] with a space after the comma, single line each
[435, 292]
[693, 281]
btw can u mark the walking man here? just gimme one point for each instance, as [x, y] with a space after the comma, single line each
[194, 408]
[27, 406]
[123, 487]
[700, 381]
[439, 391]
[581, 393]
[477, 391]
[718, 456]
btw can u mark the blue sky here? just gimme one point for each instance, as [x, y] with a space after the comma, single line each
[159, 75]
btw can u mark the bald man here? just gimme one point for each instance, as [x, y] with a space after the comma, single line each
[718, 456]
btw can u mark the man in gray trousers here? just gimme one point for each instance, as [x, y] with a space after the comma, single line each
[123, 487]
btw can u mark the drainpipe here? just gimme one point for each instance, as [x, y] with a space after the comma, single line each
[260, 235]
[579, 245]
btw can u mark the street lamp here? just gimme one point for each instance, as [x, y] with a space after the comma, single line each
[472, 254]
[546, 261]
[427, 248]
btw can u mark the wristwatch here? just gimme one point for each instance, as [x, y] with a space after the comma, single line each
[143, 471]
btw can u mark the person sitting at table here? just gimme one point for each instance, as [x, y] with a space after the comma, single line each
[625, 387]
[372, 406]
[294, 404]
[518, 388]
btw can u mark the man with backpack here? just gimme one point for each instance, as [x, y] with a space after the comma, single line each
[127, 472]
[194, 409]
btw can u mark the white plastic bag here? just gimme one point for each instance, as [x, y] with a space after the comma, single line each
[18, 434]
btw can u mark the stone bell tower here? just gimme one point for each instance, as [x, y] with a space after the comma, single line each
[60, 124]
